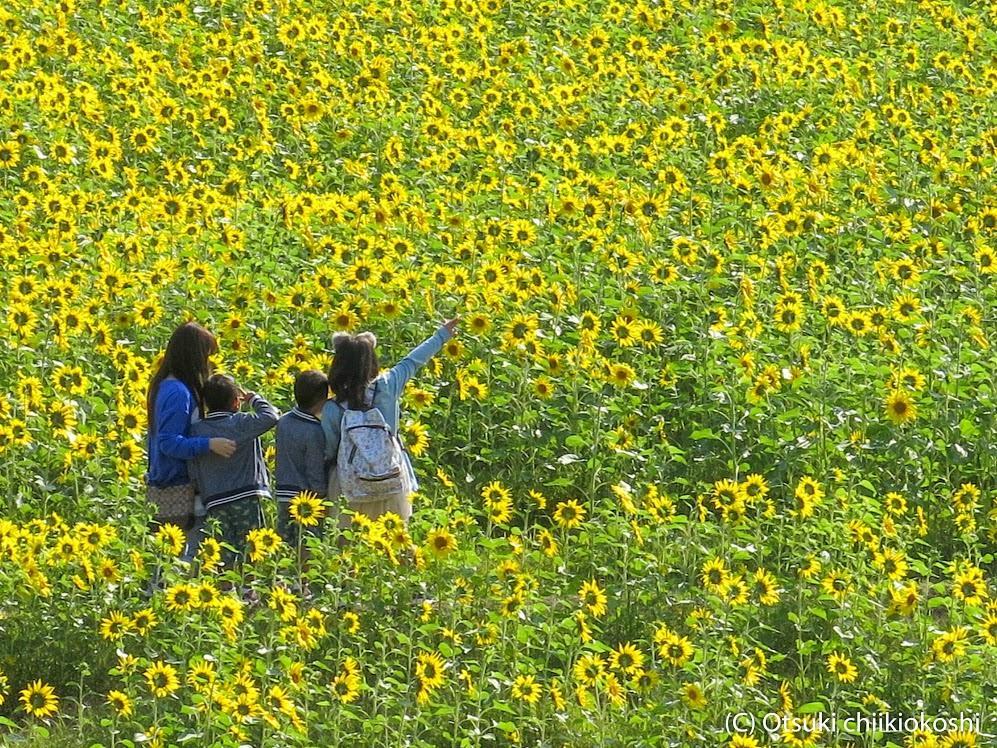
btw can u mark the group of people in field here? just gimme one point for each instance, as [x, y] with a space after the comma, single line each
[339, 441]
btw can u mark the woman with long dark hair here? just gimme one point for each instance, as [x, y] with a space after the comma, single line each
[174, 400]
[358, 384]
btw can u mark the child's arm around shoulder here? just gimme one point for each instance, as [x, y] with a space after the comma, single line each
[263, 418]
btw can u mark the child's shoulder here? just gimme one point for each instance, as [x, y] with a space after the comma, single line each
[295, 417]
[202, 427]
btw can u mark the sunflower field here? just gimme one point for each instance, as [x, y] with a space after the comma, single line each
[716, 436]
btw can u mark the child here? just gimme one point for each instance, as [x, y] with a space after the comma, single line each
[358, 384]
[301, 449]
[231, 489]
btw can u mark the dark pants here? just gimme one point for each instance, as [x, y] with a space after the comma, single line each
[288, 529]
[235, 520]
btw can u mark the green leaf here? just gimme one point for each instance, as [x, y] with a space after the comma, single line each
[812, 707]
[703, 434]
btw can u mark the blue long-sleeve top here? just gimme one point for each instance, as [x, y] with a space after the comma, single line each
[388, 387]
[170, 444]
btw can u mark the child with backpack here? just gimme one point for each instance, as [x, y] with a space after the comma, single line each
[232, 488]
[368, 464]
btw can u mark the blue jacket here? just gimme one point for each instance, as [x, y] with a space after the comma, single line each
[300, 455]
[388, 387]
[170, 444]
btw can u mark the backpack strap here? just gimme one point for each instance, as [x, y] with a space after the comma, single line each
[369, 394]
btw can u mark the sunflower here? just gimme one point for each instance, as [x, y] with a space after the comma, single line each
[621, 375]
[986, 260]
[307, 509]
[526, 689]
[900, 407]
[161, 679]
[242, 709]
[715, 576]
[38, 699]
[627, 659]
[693, 696]
[808, 496]
[950, 645]
[210, 553]
[499, 511]
[206, 595]
[131, 419]
[416, 438]
[589, 669]
[742, 741]
[429, 669]
[21, 319]
[969, 585]
[180, 597]
[593, 598]
[201, 676]
[891, 562]
[959, 739]
[471, 388]
[171, 539]
[70, 379]
[905, 306]
[441, 542]
[908, 378]
[754, 487]
[841, 667]
[120, 702]
[144, 620]
[345, 687]
[569, 514]
[766, 587]
[649, 334]
[675, 649]
[115, 626]
[547, 543]
[837, 585]
[478, 323]
[10, 153]
[988, 629]
[261, 543]
[894, 503]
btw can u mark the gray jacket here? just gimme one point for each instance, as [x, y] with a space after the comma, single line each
[300, 455]
[244, 474]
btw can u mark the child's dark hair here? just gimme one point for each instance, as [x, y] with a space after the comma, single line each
[220, 391]
[354, 365]
[310, 388]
